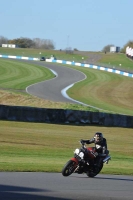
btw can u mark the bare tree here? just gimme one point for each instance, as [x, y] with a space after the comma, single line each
[37, 43]
[3, 40]
[107, 48]
[43, 43]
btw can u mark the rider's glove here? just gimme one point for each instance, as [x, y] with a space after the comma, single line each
[82, 141]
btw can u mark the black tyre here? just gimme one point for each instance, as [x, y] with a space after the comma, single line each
[93, 172]
[69, 168]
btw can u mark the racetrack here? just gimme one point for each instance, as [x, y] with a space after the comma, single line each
[51, 89]
[40, 186]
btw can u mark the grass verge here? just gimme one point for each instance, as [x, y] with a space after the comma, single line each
[47, 147]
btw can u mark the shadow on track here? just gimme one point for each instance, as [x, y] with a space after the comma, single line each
[116, 178]
[22, 193]
[106, 178]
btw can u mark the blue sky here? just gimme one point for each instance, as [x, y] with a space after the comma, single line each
[87, 25]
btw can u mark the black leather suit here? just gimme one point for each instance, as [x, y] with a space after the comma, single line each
[101, 147]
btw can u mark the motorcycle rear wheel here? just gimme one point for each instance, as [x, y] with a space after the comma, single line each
[69, 168]
[92, 173]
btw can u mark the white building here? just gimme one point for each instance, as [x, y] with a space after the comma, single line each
[9, 45]
[114, 49]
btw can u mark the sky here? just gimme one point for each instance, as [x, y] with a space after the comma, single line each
[87, 25]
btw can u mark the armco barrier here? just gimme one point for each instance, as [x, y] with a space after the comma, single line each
[18, 57]
[60, 116]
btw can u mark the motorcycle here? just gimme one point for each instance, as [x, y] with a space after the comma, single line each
[85, 160]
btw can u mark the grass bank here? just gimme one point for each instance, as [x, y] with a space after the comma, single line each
[113, 60]
[106, 91]
[47, 147]
[37, 53]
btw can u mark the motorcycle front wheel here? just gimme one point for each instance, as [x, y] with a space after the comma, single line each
[69, 168]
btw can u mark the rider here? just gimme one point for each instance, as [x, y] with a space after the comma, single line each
[100, 145]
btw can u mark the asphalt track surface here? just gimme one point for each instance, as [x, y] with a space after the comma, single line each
[51, 89]
[54, 186]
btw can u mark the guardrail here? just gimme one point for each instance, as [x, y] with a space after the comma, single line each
[60, 116]
[18, 57]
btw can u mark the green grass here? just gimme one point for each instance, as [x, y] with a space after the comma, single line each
[20, 75]
[15, 76]
[109, 59]
[47, 147]
[117, 60]
[35, 53]
[106, 91]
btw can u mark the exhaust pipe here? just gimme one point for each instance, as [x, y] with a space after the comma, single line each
[106, 159]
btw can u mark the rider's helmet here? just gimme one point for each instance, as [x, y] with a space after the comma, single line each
[98, 137]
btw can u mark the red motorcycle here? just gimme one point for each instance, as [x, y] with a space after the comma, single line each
[85, 160]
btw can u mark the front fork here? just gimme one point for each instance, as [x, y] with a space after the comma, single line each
[76, 163]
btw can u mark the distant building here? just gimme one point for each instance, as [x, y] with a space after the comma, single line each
[114, 49]
[9, 45]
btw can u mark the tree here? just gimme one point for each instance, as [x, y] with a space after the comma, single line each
[107, 48]
[129, 43]
[37, 43]
[3, 40]
[22, 42]
[43, 43]
[75, 49]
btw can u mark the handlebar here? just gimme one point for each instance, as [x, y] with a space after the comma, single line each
[83, 143]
